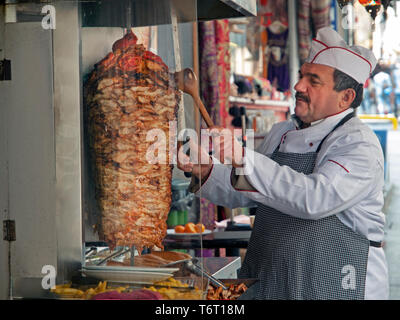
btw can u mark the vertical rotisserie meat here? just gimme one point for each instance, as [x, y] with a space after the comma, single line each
[129, 93]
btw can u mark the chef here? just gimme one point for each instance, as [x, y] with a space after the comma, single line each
[317, 181]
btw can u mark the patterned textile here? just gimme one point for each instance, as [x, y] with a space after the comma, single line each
[215, 68]
[214, 88]
[208, 69]
[253, 37]
[273, 10]
[310, 256]
[270, 11]
[315, 11]
[208, 213]
[278, 67]
[224, 67]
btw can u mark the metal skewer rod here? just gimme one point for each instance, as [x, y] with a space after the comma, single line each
[128, 15]
[132, 249]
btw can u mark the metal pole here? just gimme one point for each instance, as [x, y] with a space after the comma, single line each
[133, 256]
[128, 15]
[293, 46]
[351, 26]
[181, 125]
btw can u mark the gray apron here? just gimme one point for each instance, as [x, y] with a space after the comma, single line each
[296, 258]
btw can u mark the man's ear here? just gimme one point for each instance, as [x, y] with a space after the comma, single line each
[347, 98]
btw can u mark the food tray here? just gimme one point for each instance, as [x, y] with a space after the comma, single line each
[130, 269]
[127, 276]
[172, 233]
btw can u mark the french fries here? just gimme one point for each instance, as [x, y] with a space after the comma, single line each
[65, 291]
[68, 291]
[171, 282]
[171, 293]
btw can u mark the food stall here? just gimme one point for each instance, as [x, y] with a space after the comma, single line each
[82, 84]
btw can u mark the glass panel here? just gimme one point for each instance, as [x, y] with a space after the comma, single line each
[130, 104]
[101, 174]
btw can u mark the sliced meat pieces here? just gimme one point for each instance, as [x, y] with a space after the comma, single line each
[129, 93]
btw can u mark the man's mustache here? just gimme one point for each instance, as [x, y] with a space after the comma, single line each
[301, 96]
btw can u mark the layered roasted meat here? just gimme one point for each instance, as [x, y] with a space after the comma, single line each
[128, 94]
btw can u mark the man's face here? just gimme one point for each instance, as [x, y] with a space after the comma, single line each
[315, 97]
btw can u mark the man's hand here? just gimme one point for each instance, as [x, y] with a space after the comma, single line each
[198, 163]
[227, 148]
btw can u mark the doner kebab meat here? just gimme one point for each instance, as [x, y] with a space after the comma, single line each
[129, 93]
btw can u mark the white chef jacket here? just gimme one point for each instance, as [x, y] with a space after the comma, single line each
[348, 181]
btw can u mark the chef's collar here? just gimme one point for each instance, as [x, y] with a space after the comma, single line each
[297, 122]
[302, 125]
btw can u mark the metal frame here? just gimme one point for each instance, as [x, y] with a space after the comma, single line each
[68, 139]
[56, 232]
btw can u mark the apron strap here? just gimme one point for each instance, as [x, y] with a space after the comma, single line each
[340, 123]
[375, 244]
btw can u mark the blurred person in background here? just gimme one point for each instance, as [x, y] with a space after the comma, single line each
[368, 105]
[396, 85]
[383, 88]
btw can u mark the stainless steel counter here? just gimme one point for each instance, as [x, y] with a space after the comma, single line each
[219, 267]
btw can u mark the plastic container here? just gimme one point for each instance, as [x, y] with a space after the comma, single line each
[173, 220]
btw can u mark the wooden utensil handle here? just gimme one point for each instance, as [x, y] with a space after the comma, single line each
[203, 111]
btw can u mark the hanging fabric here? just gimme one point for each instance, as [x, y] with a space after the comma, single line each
[275, 10]
[278, 66]
[264, 12]
[208, 69]
[215, 70]
[312, 15]
[224, 67]
[275, 64]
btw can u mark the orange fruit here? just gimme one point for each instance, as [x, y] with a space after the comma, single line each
[200, 228]
[179, 229]
[190, 227]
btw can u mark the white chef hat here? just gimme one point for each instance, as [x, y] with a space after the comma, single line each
[330, 49]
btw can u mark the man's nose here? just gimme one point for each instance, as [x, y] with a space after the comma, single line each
[300, 85]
